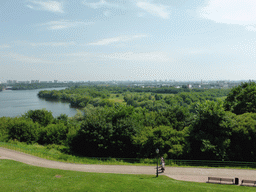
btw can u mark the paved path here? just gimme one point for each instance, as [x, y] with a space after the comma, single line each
[179, 173]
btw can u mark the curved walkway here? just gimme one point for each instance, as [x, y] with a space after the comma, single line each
[179, 173]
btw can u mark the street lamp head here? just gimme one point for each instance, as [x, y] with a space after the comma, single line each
[157, 151]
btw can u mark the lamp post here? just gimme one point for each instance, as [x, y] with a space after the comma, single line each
[157, 151]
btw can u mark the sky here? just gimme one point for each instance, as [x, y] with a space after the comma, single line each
[102, 40]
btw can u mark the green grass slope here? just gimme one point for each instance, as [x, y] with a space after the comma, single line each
[16, 176]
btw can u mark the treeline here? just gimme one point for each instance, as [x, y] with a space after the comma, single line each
[40, 86]
[80, 96]
[125, 131]
[161, 90]
[216, 130]
[100, 96]
[157, 102]
[37, 126]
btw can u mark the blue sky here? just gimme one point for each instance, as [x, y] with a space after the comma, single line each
[83, 40]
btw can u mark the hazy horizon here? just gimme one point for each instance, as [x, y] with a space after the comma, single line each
[103, 40]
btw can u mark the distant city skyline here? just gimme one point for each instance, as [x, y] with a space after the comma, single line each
[155, 80]
[103, 40]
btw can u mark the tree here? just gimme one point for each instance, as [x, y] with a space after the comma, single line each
[63, 118]
[106, 132]
[177, 116]
[170, 142]
[210, 132]
[4, 126]
[42, 116]
[53, 134]
[24, 130]
[93, 138]
[243, 139]
[122, 138]
[242, 99]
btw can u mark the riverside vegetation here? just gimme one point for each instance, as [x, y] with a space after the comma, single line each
[131, 123]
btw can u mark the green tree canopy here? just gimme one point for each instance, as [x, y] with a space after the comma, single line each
[243, 139]
[169, 141]
[106, 131]
[210, 132]
[42, 116]
[242, 99]
[24, 130]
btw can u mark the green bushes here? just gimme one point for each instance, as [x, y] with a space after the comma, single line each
[243, 139]
[80, 96]
[38, 126]
[241, 99]
[41, 116]
[125, 131]
[106, 132]
[53, 134]
[4, 127]
[209, 134]
[23, 130]
[170, 142]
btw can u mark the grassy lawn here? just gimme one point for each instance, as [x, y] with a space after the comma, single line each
[16, 176]
[119, 99]
[222, 98]
[166, 94]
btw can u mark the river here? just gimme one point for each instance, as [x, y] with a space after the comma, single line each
[15, 103]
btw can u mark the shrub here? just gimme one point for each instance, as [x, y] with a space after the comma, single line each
[24, 130]
[42, 116]
[4, 125]
[53, 134]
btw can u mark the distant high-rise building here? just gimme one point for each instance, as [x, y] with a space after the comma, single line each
[55, 81]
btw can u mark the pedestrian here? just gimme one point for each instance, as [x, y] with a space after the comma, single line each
[162, 164]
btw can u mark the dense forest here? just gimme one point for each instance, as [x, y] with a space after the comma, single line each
[102, 96]
[129, 122]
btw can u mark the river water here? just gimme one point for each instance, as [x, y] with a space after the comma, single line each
[15, 103]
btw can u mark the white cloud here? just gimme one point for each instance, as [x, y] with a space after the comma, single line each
[154, 9]
[251, 28]
[4, 46]
[53, 44]
[107, 13]
[141, 14]
[127, 56]
[24, 59]
[116, 40]
[239, 12]
[101, 3]
[63, 24]
[131, 56]
[81, 54]
[53, 6]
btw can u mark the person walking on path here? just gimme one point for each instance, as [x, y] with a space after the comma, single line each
[162, 164]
